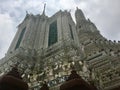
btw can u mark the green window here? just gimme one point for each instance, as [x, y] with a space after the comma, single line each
[71, 31]
[52, 33]
[20, 38]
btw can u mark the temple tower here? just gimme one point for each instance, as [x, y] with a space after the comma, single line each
[47, 49]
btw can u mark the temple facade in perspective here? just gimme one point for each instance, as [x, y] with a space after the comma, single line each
[46, 50]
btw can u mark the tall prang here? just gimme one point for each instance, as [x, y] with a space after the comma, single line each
[47, 49]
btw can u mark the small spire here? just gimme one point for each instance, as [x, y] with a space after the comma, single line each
[44, 9]
[26, 12]
[77, 8]
[70, 10]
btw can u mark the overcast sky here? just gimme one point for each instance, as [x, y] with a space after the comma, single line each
[104, 13]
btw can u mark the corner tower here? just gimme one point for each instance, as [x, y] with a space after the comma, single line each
[45, 48]
[79, 16]
[82, 23]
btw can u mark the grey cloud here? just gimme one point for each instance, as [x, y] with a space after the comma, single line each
[105, 14]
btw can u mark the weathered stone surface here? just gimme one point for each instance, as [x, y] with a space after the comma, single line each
[95, 58]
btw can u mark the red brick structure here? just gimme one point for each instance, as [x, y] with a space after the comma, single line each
[75, 82]
[117, 88]
[44, 86]
[12, 81]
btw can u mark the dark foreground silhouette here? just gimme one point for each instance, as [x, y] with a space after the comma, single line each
[12, 81]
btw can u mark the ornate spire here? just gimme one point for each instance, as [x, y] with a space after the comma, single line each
[44, 9]
[79, 14]
[26, 12]
[76, 8]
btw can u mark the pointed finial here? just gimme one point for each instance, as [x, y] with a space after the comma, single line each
[70, 10]
[44, 9]
[26, 12]
[77, 8]
[89, 20]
